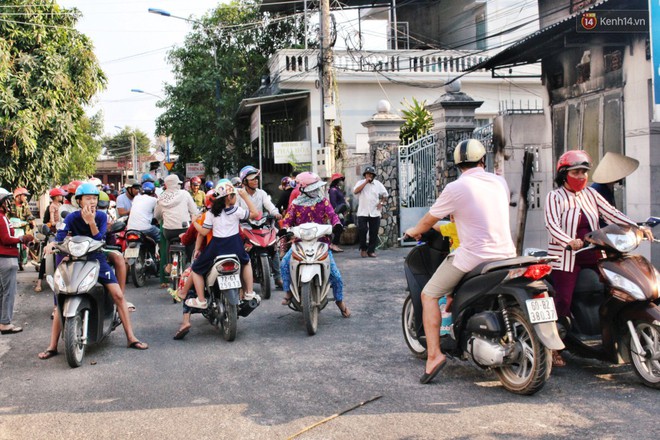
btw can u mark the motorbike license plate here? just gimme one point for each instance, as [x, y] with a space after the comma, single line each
[541, 310]
[229, 282]
[130, 252]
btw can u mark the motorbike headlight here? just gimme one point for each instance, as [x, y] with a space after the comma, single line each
[623, 283]
[89, 280]
[58, 281]
[308, 234]
[624, 242]
[78, 249]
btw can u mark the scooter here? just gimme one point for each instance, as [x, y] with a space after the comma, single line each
[222, 284]
[260, 237]
[87, 312]
[310, 273]
[616, 313]
[504, 318]
[141, 256]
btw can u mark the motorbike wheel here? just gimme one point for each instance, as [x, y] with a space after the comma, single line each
[527, 374]
[647, 367]
[310, 310]
[265, 276]
[73, 346]
[137, 270]
[229, 321]
[409, 332]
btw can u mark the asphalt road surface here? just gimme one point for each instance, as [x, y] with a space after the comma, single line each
[275, 381]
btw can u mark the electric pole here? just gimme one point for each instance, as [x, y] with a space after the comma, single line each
[327, 95]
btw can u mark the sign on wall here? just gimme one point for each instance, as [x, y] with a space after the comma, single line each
[293, 152]
[194, 169]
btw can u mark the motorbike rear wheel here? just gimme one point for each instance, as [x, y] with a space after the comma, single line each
[409, 332]
[309, 298]
[647, 366]
[527, 374]
[229, 320]
[73, 345]
[264, 262]
[138, 273]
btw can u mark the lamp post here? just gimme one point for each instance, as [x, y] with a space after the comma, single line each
[167, 138]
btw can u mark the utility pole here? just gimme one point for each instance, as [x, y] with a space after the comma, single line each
[327, 96]
[134, 154]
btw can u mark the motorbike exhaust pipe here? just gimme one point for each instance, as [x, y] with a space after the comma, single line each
[246, 307]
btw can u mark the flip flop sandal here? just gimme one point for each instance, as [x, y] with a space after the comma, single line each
[138, 345]
[11, 330]
[181, 333]
[557, 360]
[287, 300]
[130, 306]
[47, 354]
[345, 312]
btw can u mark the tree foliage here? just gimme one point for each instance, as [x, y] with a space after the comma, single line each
[418, 121]
[119, 146]
[81, 160]
[221, 63]
[48, 72]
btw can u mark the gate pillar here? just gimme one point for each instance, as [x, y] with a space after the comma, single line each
[383, 129]
[453, 121]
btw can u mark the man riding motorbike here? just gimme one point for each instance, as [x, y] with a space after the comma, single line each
[142, 212]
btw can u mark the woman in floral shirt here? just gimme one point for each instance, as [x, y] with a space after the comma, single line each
[312, 207]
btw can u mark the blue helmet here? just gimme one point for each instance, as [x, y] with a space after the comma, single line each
[209, 184]
[146, 177]
[148, 187]
[87, 189]
[247, 171]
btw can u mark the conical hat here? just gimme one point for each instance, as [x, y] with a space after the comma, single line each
[614, 167]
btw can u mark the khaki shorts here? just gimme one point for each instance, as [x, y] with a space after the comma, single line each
[444, 280]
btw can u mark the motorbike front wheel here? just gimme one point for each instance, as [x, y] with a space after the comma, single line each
[138, 273]
[264, 262]
[409, 330]
[309, 297]
[528, 372]
[647, 365]
[229, 320]
[73, 344]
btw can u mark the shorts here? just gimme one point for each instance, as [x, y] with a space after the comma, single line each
[220, 246]
[444, 280]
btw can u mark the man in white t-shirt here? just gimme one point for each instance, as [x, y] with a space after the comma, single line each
[142, 212]
[371, 195]
[125, 200]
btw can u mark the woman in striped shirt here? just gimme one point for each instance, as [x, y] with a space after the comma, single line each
[571, 212]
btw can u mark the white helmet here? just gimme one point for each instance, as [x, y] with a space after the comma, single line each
[4, 196]
[469, 150]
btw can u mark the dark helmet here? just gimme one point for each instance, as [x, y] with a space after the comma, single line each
[370, 170]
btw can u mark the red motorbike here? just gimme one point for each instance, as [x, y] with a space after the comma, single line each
[260, 238]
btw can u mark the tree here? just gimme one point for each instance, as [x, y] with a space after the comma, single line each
[418, 121]
[48, 72]
[82, 157]
[119, 146]
[221, 63]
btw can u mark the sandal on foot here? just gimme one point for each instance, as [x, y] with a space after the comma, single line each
[11, 330]
[195, 303]
[345, 312]
[557, 359]
[287, 299]
[175, 295]
[47, 354]
[130, 306]
[38, 288]
[164, 285]
[138, 345]
[181, 333]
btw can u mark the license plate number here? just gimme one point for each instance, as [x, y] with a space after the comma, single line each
[131, 252]
[229, 282]
[541, 310]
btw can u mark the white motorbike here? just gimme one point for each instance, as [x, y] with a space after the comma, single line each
[310, 272]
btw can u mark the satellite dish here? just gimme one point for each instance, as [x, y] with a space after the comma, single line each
[160, 156]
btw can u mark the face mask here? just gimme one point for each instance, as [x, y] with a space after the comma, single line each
[576, 185]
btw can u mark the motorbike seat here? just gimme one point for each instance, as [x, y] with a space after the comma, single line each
[500, 264]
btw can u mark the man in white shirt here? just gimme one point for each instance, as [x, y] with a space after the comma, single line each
[125, 200]
[371, 195]
[142, 212]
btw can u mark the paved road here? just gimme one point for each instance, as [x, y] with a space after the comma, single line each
[275, 381]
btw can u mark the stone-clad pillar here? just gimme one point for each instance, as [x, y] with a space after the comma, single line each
[453, 120]
[383, 129]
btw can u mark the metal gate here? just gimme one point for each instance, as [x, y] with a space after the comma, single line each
[417, 180]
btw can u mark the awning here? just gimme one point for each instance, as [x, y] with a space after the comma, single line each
[247, 105]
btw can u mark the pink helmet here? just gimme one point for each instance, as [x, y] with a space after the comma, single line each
[309, 181]
[574, 159]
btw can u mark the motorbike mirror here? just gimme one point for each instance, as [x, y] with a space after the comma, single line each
[51, 282]
[652, 221]
[45, 229]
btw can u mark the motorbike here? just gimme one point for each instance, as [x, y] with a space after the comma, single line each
[87, 312]
[141, 256]
[504, 318]
[221, 287]
[119, 229]
[260, 237]
[35, 249]
[616, 313]
[310, 272]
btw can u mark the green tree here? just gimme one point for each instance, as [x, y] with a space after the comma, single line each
[82, 156]
[418, 121]
[221, 63]
[48, 72]
[119, 146]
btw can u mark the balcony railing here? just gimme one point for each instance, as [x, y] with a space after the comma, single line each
[406, 62]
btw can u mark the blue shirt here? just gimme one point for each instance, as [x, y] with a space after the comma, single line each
[74, 224]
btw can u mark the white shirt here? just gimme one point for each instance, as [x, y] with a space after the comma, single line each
[369, 197]
[124, 202]
[479, 202]
[261, 201]
[226, 224]
[142, 212]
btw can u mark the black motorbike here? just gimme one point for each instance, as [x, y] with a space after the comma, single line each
[503, 315]
[142, 257]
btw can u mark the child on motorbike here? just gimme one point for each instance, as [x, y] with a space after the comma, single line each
[312, 207]
[91, 222]
[223, 220]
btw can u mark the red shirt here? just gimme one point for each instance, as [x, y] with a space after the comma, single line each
[7, 240]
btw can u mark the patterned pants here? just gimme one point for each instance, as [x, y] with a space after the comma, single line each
[335, 277]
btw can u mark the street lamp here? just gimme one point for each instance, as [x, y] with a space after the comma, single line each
[167, 138]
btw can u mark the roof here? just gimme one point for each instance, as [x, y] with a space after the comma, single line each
[289, 6]
[528, 49]
[248, 104]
